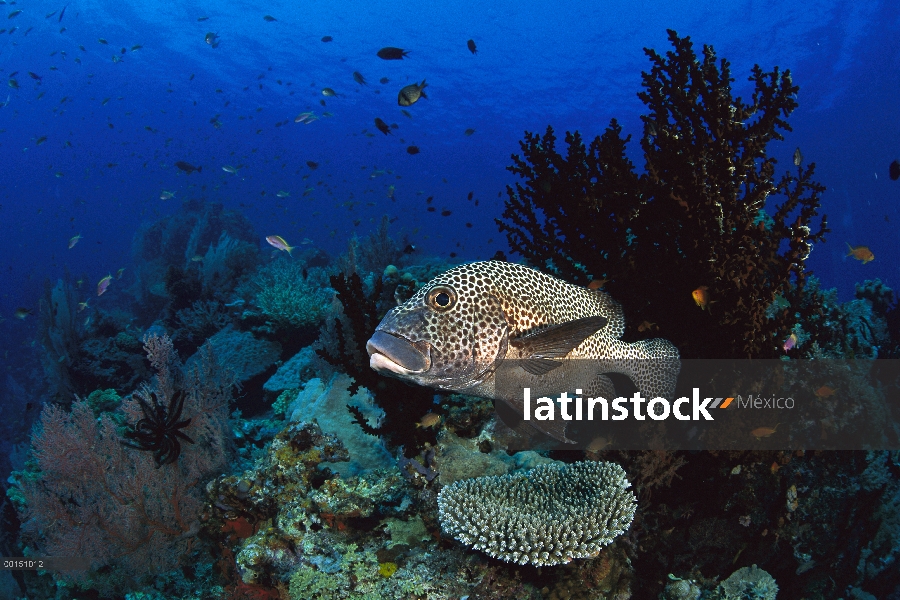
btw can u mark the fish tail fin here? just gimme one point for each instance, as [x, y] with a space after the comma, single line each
[290, 250]
[199, 169]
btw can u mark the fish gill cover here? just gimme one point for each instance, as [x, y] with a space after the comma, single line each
[252, 188]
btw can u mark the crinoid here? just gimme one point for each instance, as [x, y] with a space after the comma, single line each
[159, 430]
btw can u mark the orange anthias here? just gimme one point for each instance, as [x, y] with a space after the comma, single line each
[861, 253]
[825, 391]
[761, 432]
[701, 296]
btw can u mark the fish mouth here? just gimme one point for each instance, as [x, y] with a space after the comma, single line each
[391, 354]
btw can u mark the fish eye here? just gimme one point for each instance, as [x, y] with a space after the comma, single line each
[442, 298]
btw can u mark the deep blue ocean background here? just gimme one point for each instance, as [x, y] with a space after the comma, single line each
[572, 66]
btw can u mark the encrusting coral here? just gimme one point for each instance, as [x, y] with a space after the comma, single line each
[700, 217]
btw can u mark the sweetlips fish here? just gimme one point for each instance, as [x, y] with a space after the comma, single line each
[492, 328]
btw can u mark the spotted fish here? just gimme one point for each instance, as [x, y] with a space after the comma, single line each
[461, 329]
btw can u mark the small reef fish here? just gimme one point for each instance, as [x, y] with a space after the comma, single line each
[187, 167]
[791, 342]
[894, 170]
[166, 195]
[429, 421]
[762, 432]
[74, 240]
[471, 45]
[701, 296]
[327, 38]
[410, 94]
[329, 92]
[358, 78]
[278, 242]
[120, 272]
[22, 313]
[230, 169]
[861, 253]
[647, 326]
[103, 285]
[825, 392]
[595, 284]
[212, 39]
[798, 157]
[197, 258]
[283, 194]
[391, 53]
[269, 19]
[597, 444]
[468, 131]
[303, 117]
[382, 126]
[412, 149]
[463, 325]
[82, 306]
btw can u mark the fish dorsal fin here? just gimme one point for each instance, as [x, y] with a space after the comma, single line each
[537, 350]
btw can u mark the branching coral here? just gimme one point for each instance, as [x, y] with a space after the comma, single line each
[344, 343]
[286, 295]
[701, 215]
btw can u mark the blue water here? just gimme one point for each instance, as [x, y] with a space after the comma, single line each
[574, 65]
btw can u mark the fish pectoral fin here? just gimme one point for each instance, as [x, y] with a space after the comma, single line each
[555, 429]
[557, 341]
[538, 366]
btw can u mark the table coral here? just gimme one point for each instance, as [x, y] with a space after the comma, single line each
[547, 516]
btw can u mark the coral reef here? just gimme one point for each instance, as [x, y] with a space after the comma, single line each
[246, 355]
[326, 402]
[171, 256]
[347, 335]
[590, 216]
[546, 516]
[289, 294]
[855, 329]
[87, 494]
[60, 336]
[748, 583]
